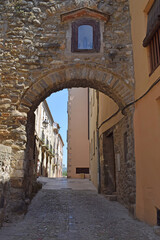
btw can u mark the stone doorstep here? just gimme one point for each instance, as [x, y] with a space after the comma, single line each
[111, 197]
[156, 230]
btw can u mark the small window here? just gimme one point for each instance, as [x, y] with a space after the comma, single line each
[125, 147]
[82, 170]
[51, 148]
[43, 137]
[85, 36]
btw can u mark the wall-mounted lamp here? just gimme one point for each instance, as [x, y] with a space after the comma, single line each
[45, 123]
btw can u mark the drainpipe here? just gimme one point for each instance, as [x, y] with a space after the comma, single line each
[98, 153]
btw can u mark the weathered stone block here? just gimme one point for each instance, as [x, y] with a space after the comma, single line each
[16, 182]
[18, 173]
[157, 230]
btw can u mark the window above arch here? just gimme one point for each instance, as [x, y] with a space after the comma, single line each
[85, 34]
[85, 37]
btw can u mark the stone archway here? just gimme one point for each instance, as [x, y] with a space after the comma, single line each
[35, 65]
[77, 75]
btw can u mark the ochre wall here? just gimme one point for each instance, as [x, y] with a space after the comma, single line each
[146, 119]
[139, 11]
[78, 143]
[147, 152]
[107, 107]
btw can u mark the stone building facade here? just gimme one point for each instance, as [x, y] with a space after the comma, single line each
[49, 144]
[38, 56]
[111, 146]
[78, 142]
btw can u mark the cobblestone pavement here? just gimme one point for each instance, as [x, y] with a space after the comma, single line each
[72, 210]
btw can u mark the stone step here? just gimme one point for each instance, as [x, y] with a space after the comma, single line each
[111, 197]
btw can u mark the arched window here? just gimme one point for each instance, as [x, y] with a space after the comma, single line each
[85, 36]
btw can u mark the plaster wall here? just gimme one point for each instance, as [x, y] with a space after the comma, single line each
[107, 107]
[146, 119]
[147, 134]
[78, 143]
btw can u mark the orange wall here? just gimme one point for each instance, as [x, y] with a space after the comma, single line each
[139, 10]
[146, 119]
[78, 143]
[147, 150]
[107, 107]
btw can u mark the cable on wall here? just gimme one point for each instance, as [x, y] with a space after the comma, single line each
[131, 103]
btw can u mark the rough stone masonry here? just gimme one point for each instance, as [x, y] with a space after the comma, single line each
[35, 61]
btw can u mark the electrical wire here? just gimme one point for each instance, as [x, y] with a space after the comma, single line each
[129, 104]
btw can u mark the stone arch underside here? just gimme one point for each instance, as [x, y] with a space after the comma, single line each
[76, 76]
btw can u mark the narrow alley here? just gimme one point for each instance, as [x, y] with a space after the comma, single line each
[69, 209]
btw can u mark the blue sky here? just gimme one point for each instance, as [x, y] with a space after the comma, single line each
[57, 103]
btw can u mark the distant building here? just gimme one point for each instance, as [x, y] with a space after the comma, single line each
[49, 144]
[78, 142]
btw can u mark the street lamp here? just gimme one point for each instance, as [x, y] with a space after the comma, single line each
[45, 123]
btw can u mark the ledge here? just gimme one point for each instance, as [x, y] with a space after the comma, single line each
[84, 12]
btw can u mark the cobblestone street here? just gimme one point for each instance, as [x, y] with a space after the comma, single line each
[72, 210]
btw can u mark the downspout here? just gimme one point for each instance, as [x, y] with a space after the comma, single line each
[98, 153]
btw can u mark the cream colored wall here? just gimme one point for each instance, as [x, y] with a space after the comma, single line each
[146, 119]
[78, 143]
[107, 107]
[42, 113]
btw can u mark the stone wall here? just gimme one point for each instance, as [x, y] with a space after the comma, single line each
[33, 64]
[125, 161]
[5, 166]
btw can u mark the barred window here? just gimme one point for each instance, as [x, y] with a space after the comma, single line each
[152, 39]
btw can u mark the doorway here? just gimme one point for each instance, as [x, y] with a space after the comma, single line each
[109, 168]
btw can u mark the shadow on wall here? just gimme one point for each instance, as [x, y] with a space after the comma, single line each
[13, 179]
[13, 206]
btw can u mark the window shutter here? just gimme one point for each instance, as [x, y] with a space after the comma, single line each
[153, 22]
